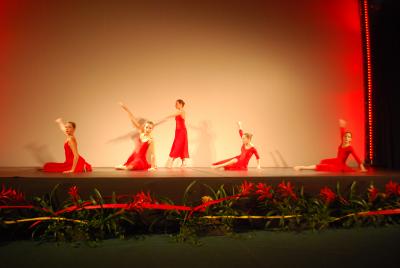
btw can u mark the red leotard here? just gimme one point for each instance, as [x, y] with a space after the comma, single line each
[81, 166]
[137, 160]
[338, 164]
[243, 158]
[180, 145]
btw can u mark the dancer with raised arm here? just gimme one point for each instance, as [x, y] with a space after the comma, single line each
[138, 160]
[338, 164]
[179, 147]
[73, 161]
[241, 161]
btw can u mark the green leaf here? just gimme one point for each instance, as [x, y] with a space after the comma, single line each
[99, 196]
[186, 193]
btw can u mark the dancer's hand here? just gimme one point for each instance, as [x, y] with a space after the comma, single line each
[239, 124]
[68, 171]
[342, 123]
[152, 169]
[58, 120]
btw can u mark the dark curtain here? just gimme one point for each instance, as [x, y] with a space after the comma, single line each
[385, 46]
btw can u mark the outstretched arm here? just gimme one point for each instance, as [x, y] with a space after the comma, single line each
[72, 144]
[134, 121]
[61, 124]
[169, 117]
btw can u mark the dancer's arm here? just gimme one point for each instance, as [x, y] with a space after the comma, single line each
[240, 128]
[258, 163]
[342, 125]
[61, 124]
[258, 158]
[134, 121]
[360, 164]
[178, 112]
[74, 148]
[152, 157]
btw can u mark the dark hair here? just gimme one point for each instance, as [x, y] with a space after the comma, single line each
[181, 102]
[72, 124]
[149, 122]
[348, 132]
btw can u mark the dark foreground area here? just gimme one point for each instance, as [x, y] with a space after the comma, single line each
[358, 247]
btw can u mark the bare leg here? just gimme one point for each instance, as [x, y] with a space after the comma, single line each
[230, 162]
[184, 163]
[170, 162]
[298, 168]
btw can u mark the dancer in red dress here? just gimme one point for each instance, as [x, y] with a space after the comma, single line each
[241, 161]
[73, 161]
[338, 164]
[179, 147]
[138, 160]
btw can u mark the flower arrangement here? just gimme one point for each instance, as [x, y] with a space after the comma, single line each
[250, 206]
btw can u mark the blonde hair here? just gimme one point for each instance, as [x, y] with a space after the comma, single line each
[248, 135]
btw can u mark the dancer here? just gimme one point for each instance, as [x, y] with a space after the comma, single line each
[73, 161]
[179, 147]
[338, 164]
[138, 160]
[241, 161]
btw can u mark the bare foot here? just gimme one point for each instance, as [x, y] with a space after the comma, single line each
[120, 167]
[297, 168]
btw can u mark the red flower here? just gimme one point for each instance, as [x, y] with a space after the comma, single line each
[264, 191]
[286, 190]
[246, 188]
[327, 195]
[372, 193]
[392, 188]
[343, 201]
[9, 195]
[73, 192]
[140, 199]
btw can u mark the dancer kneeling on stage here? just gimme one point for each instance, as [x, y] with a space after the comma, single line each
[338, 164]
[73, 161]
[138, 160]
[241, 161]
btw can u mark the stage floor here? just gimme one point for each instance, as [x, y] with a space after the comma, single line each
[172, 182]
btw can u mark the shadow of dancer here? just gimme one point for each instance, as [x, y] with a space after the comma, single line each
[132, 135]
[40, 153]
[204, 144]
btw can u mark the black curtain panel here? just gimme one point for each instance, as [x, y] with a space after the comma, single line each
[385, 49]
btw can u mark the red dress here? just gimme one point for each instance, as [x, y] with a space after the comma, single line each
[180, 147]
[338, 164]
[243, 158]
[81, 166]
[137, 160]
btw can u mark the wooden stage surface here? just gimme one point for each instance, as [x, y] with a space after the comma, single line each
[172, 182]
